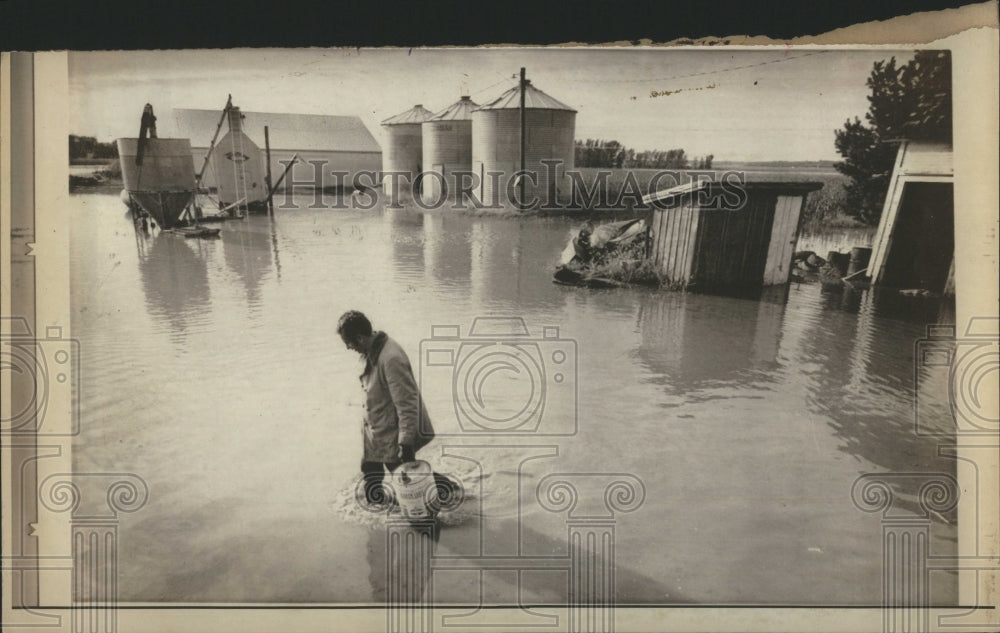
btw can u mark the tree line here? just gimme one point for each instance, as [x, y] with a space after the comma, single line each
[81, 147]
[614, 155]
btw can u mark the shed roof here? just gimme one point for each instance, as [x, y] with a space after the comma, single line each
[780, 187]
[461, 110]
[416, 114]
[315, 132]
[534, 99]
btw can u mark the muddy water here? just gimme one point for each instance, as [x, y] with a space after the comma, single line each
[737, 427]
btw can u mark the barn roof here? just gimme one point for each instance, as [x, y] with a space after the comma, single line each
[533, 99]
[309, 132]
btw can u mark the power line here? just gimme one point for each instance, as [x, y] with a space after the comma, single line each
[505, 79]
[704, 73]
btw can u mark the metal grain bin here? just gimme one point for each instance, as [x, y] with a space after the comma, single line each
[447, 141]
[550, 127]
[403, 151]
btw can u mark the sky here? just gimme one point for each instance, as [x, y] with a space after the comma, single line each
[738, 105]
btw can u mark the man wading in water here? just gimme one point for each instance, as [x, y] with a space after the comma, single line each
[396, 422]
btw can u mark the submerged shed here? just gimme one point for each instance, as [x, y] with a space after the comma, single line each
[713, 235]
[914, 246]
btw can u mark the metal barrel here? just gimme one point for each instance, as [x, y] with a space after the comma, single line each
[839, 261]
[859, 259]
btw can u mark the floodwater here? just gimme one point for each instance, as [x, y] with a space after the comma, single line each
[211, 369]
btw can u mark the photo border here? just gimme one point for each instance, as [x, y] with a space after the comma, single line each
[974, 55]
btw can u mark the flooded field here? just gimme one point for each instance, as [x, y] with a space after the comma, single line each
[212, 370]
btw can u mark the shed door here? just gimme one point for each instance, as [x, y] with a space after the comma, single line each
[733, 244]
[784, 234]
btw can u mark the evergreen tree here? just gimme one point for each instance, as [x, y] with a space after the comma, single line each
[910, 102]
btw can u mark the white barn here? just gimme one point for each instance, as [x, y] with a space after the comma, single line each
[337, 143]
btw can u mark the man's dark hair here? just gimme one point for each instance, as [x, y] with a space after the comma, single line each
[352, 323]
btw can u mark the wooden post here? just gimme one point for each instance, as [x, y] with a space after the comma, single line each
[267, 177]
[521, 178]
[211, 146]
[270, 194]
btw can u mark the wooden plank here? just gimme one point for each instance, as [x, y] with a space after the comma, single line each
[662, 243]
[690, 244]
[926, 158]
[886, 227]
[655, 228]
[675, 242]
[889, 209]
[782, 240]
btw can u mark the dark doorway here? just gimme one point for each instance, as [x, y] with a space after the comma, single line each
[923, 240]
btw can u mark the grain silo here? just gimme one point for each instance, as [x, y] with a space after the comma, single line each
[403, 151]
[447, 147]
[496, 144]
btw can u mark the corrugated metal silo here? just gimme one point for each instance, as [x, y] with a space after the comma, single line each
[550, 126]
[403, 150]
[447, 147]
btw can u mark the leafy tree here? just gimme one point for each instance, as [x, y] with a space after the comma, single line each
[89, 147]
[912, 101]
[612, 154]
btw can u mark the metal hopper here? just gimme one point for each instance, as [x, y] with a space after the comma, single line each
[158, 172]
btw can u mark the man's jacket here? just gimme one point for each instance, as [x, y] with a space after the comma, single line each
[394, 411]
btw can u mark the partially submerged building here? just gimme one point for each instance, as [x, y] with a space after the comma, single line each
[550, 127]
[324, 144]
[712, 235]
[404, 145]
[447, 148]
[914, 246]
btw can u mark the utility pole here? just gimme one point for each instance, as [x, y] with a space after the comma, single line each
[521, 178]
[267, 177]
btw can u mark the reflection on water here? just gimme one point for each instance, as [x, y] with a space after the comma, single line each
[690, 339]
[741, 416]
[175, 279]
[248, 253]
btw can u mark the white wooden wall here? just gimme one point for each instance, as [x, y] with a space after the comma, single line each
[675, 232]
[784, 236]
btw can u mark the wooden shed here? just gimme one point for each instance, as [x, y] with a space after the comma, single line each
[713, 235]
[914, 246]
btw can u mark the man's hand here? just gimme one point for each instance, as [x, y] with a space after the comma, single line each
[406, 453]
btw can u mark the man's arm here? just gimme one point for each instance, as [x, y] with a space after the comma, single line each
[406, 398]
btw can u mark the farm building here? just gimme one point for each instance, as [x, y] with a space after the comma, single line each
[238, 166]
[324, 144]
[708, 235]
[447, 146]
[915, 243]
[404, 143]
[550, 126]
